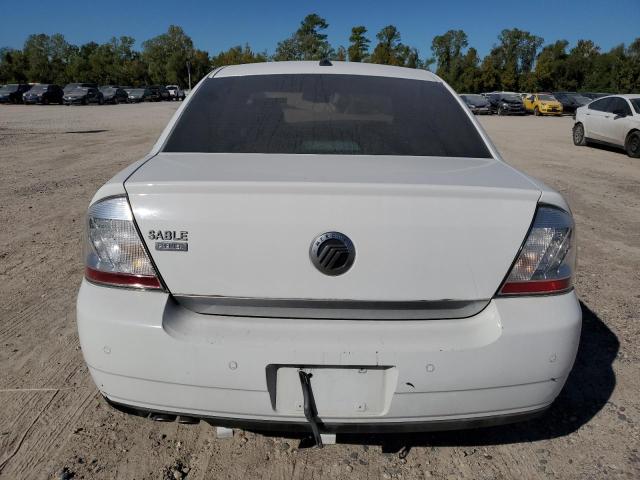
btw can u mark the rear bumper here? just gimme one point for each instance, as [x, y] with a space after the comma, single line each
[504, 364]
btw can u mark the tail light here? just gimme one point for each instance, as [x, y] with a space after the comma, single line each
[546, 262]
[115, 254]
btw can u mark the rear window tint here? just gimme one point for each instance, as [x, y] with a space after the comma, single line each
[325, 114]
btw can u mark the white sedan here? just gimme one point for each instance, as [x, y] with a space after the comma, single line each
[612, 120]
[328, 247]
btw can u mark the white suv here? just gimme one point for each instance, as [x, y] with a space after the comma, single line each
[175, 92]
[613, 120]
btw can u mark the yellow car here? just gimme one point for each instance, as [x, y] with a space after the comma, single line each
[542, 104]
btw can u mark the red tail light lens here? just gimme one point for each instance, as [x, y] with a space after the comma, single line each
[546, 262]
[116, 255]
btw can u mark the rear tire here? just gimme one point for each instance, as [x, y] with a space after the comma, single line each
[500, 111]
[578, 135]
[632, 144]
[536, 112]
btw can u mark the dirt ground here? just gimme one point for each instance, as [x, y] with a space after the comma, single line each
[53, 423]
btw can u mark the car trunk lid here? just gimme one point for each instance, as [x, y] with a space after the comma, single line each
[424, 228]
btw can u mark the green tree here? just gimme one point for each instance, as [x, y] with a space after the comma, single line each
[490, 72]
[340, 54]
[238, 55]
[633, 58]
[579, 63]
[388, 48]
[359, 44]
[469, 76]
[551, 68]
[448, 51]
[200, 65]
[80, 67]
[306, 43]
[391, 51]
[36, 52]
[516, 55]
[13, 66]
[166, 56]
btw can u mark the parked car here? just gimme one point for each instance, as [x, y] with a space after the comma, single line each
[83, 96]
[160, 92]
[478, 104]
[504, 103]
[175, 92]
[72, 86]
[328, 248]
[570, 100]
[593, 96]
[43, 93]
[542, 104]
[137, 95]
[613, 120]
[113, 94]
[12, 92]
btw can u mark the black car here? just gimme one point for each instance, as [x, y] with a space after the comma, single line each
[83, 96]
[44, 94]
[593, 95]
[12, 92]
[114, 94]
[72, 86]
[478, 104]
[137, 95]
[506, 103]
[571, 100]
[161, 92]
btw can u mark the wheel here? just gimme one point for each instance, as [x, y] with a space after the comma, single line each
[500, 111]
[116, 101]
[536, 112]
[101, 101]
[632, 145]
[45, 101]
[578, 135]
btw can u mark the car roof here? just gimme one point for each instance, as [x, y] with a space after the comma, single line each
[628, 96]
[344, 68]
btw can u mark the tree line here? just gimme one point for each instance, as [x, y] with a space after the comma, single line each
[518, 61]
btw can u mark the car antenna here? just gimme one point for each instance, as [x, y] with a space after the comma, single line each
[325, 63]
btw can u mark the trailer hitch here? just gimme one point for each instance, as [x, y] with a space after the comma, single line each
[310, 411]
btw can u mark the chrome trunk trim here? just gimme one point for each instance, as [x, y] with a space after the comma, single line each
[331, 309]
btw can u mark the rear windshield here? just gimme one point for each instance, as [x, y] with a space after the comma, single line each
[325, 114]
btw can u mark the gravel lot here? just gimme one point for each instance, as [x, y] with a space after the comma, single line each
[53, 423]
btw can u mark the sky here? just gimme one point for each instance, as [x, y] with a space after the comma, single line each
[216, 26]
